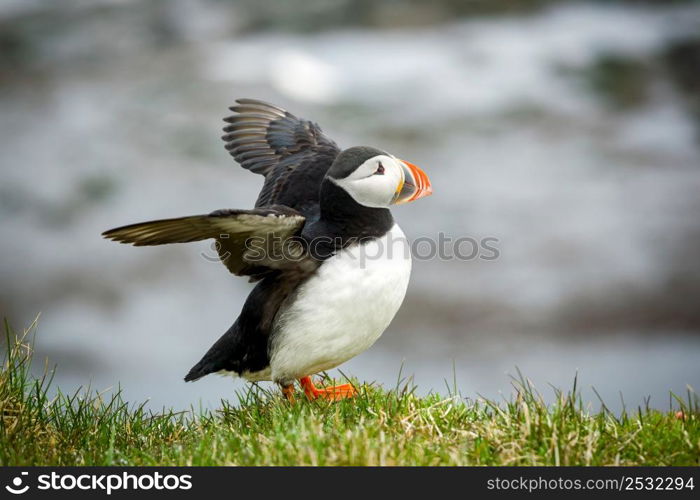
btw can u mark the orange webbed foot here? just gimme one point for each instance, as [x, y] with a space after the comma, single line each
[333, 393]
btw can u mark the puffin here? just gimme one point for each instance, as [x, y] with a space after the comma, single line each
[330, 264]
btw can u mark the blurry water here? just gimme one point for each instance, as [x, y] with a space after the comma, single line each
[593, 199]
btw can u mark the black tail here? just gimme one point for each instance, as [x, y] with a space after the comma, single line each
[232, 353]
[243, 348]
[198, 371]
[221, 356]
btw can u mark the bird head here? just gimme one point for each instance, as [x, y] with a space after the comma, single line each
[377, 179]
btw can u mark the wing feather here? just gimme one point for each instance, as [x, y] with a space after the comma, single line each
[292, 153]
[233, 230]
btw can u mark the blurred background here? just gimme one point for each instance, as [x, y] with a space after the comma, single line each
[570, 131]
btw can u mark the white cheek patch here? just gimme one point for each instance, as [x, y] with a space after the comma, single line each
[367, 168]
[376, 191]
[372, 191]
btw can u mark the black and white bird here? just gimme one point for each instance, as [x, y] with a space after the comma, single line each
[331, 265]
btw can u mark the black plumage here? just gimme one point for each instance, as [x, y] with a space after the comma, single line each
[296, 201]
[293, 154]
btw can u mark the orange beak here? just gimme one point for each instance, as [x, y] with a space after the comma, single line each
[415, 184]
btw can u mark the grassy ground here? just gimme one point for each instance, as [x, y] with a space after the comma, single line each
[379, 427]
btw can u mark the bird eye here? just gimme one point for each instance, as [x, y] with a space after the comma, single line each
[380, 170]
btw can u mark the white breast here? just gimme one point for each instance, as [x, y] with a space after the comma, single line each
[343, 309]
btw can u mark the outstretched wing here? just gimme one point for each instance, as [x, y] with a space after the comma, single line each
[292, 153]
[249, 242]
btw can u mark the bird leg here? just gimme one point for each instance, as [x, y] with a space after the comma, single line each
[333, 393]
[288, 391]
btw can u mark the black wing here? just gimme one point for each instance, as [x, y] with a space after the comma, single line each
[292, 153]
[249, 242]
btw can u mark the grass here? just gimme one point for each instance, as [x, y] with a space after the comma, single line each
[379, 427]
